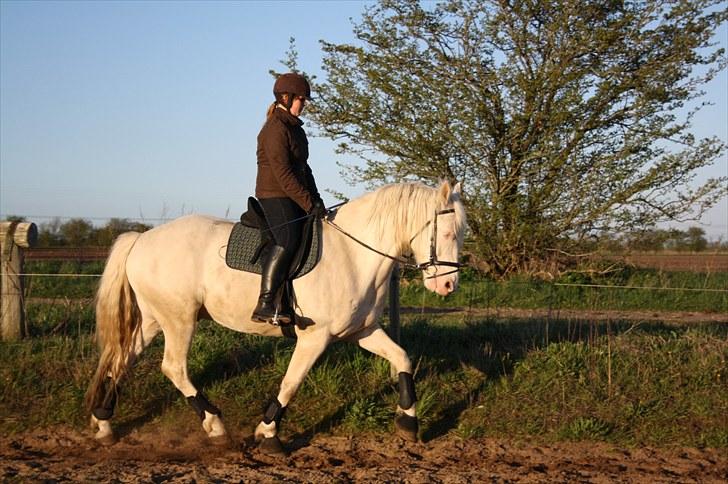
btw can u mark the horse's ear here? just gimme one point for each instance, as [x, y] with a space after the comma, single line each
[448, 193]
[445, 191]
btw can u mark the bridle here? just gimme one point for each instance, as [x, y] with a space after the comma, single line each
[433, 261]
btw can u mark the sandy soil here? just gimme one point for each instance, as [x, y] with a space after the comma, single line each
[61, 454]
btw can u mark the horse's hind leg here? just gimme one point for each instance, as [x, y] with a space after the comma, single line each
[375, 340]
[104, 410]
[177, 339]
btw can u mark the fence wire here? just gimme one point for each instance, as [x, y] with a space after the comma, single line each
[560, 284]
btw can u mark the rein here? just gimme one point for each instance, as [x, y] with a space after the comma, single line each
[431, 262]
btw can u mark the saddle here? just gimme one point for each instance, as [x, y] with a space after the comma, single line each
[250, 236]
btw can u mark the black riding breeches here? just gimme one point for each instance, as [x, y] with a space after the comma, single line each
[285, 219]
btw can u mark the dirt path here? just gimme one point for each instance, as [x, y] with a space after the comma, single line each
[556, 313]
[680, 317]
[61, 454]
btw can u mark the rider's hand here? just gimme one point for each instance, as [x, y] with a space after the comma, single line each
[318, 210]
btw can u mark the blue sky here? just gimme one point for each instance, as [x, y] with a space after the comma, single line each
[151, 109]
[132, 109]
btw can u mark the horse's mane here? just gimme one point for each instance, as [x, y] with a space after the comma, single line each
[408, 207]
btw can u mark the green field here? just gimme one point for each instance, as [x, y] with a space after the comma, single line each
[535, 380]
[624, 288]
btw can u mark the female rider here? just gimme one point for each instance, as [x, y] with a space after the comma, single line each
[286, 190]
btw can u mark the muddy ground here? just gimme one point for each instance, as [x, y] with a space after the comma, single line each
[62, 455]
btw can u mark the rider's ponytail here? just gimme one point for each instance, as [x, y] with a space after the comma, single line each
[285, 100]
[271, 108]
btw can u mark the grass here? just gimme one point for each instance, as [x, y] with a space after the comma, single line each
[658, 290]
[62, 287]
[659, 387]
[624, 289]
[539, 380]
[68, 317]
[536, 379]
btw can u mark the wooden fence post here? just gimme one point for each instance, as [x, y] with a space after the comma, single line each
[394, 327]
[14, 236]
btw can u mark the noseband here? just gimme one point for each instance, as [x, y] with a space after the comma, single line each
[433, 261]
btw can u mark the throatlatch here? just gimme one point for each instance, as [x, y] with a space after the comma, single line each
[105, 409]
[201, 404]
[407, 396]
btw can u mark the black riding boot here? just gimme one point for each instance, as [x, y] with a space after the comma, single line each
[275, 270]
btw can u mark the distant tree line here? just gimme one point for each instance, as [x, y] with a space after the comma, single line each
[652, 239]
[78, 232]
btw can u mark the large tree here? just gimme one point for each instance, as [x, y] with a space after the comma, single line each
[562, 118]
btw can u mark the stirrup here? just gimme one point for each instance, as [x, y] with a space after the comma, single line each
[275, 320]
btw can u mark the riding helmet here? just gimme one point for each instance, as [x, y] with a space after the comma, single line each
[292, 83]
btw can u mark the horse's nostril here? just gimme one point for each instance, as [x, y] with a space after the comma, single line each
[448, 285]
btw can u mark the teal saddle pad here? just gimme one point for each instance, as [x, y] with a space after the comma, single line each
[244, 245]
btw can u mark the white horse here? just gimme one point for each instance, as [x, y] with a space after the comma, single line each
[171, 276]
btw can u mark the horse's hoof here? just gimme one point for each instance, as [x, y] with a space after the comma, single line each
[406, 427]
[221, 440]
[105, 433]
[272, 446]
[107, 439]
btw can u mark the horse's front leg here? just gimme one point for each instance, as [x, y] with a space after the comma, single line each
[375, 340]
[308, 348]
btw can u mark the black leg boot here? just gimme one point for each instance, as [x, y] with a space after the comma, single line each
[275, 270]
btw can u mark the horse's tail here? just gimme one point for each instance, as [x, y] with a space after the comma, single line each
[117, 320]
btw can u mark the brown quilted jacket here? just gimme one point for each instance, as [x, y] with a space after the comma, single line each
[283, 169]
